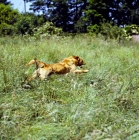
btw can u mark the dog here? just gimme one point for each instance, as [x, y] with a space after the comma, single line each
[65, 66]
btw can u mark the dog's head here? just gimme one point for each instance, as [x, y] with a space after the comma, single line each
[79, 61]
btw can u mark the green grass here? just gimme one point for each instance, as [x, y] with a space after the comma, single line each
[101, 104]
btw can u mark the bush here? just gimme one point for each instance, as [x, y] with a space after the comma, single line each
[7, 14]
[6, 29]
[27, 22]
[24, 25]
[94, 29]
[47, 30]
[130, 30]
[110, 31]
[106, 29]
[8, 17]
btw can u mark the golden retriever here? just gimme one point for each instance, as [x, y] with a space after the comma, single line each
[67, 65]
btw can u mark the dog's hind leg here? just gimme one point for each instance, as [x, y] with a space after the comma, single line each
[44, 74]
[34, 75]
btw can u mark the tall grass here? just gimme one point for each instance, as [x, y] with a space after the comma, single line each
[101, 104]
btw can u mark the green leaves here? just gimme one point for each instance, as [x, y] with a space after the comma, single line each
[6, 29]
[8, 17]
[130, 30]
[45, 31]
[7, 14]
[94, 12]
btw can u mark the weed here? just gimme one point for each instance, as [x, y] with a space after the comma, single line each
[101, 104]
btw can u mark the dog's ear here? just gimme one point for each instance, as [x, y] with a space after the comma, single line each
[35, 58]
[75, 57]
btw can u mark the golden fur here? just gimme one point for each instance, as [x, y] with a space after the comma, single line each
[67, 65]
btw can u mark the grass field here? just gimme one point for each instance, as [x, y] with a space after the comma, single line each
[102, 104]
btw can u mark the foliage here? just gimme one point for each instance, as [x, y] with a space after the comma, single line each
[94, 29]
[130, 30]
[24, 25]
[80, 26]
[63, 13]
[6, 2]
[101, 104]
[12, 22]
[55, 11]
[75, 15]
[94, 14]
[8, 17]
[107, 30]
[7, 14]
[125, 12]
[27, 22]
[45, 31]
[110, 31]
[6, 29]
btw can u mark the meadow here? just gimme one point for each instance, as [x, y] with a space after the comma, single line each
[102, 104]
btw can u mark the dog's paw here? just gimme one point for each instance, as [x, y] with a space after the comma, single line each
[26, 86]
[86, 70]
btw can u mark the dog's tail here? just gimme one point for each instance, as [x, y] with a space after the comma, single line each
[31, 62]
[38, 63]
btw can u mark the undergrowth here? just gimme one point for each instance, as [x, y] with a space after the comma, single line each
[101, 104]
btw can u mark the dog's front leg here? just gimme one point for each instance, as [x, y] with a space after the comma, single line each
[80, 71]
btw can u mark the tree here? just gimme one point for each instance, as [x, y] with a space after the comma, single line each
[63, 13]
[76, 15]
[8, 17]
[40, 5]
[76, 9]
[6, 2]
[27, 22]
[132, 11]
[124, 12]
[58, 14]
[8, 14]
[96, 12]
[55, 11]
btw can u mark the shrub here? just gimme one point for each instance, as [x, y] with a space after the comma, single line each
[94, 29]
[6, 29]
[46, 30]
[7, 14]
[110, 31]
[8, 17]
[130, 30]
[27, 22]
[106, 29]
[24, 25]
